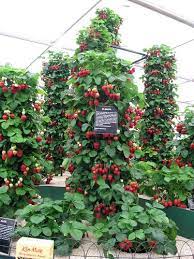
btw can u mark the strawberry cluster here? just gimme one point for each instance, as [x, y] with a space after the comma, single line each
[12, 153]
[132, 187]
[92, 94]
[11, 184]
[125, 245]
[101, 210]
[54, 67]
[108, 173]
[181, 128]
[71, 168]
[133, 115]
[83, 73]
[176, 202]
[71, 116]
[107, 88]
[83, 46]
[14, 88]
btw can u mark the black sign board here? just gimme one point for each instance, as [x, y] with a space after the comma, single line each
[7, 227]
[106, 120]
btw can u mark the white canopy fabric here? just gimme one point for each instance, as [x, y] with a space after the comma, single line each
[28, 28]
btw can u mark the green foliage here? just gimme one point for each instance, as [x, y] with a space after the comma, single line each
[59, 220]
[138, 226]
[167, 183]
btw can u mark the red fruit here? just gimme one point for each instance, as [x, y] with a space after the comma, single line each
[19, 153]
[183, 206]
[122, 245]
[170, 203]
[4, 157]
[7, 182]
[5, 117]
[110, 177]
[80, 190]
[12, 116]
[4, 89]
[2, 84]
[152, 243]
[165, 204]
[23, 168]
[96, 102]
[177, 202]
[38, 139]
[98, 215]
[192, 146]
[23, 117]
[20, 185]
[10, 153]
[1, 137]
[96, 145]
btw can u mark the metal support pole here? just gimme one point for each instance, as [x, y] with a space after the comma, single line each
[163, 12]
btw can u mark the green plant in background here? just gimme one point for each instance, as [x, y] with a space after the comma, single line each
[161, 108]
[60, 220]
[185, 139]
[21, 162]
[55, 73]
[170, 186]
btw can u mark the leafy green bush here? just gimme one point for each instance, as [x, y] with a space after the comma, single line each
[59, 220]
[137, 229]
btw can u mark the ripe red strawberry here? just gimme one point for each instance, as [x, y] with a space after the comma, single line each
[23, 168]
[19, 153]
[4, 89]
[192, 146]
[96, 145]
[10, 153]
[12, 116]
[152, 243]
[170, 204]
[1, 137]
[39, 139]
[2, 84]
[23, 117]
[5, 117]
[20, 185]
[98, 215]
[4, 156]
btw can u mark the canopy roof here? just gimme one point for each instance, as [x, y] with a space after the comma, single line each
[29, 28]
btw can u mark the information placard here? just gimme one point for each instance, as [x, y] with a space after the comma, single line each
[7, 227]
[106, 120]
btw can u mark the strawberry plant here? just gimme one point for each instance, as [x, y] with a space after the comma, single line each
[100, 164]
[161, 108]
[102, 33]
[137, 229]
[185, 140]
[167, 184]
[60, 220]
[55, 73]
[20, 129]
